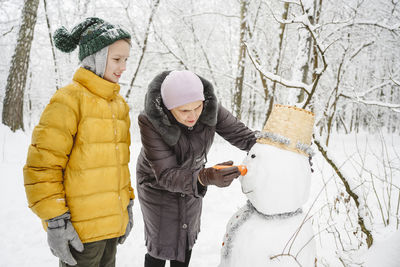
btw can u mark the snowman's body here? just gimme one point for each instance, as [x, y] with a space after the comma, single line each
[271, 229]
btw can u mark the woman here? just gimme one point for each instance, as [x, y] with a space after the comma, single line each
[76, 175]
[177, 129]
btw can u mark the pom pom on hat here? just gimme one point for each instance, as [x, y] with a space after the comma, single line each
[92, 35]
[180, 88]
[63, 40]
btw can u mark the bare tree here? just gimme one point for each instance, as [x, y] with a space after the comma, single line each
[14, 98]
[349, 191]
[308, 88]
[237, 97]
[51, 43]
[143, 47]
[282, 29]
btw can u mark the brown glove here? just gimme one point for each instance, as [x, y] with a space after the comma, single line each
[220, 178]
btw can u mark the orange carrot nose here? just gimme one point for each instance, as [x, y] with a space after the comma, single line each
[242, 168]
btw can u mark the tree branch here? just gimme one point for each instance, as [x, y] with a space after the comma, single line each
[396, 82]
[276, 78]
[303, 19]
[7, 32]
[393, 28]
[349, 191]
[394, 107]
[347, 95]
[212, 13]
[181, 61]
[144, 47]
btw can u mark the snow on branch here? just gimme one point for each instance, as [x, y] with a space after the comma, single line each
[359, 98]
[298, 19]
[393, 28]
[290, 2]
[212, 13]
[276, 78]
[363, 94]
[394, 107]
[350, 23]
[304, 20]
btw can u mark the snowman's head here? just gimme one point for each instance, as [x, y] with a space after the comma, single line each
[278, 176]
[277, 180]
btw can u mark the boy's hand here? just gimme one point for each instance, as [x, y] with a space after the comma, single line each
[61, 234]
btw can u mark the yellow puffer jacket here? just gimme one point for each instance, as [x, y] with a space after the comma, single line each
[78, 159]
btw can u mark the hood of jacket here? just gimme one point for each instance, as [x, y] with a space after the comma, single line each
[155, 110]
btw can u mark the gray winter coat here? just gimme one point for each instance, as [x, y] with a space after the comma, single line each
[168, 165]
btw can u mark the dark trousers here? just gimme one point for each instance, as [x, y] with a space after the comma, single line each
[95, 254]
[150, 261]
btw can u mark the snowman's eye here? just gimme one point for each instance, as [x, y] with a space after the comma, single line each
[253, 156]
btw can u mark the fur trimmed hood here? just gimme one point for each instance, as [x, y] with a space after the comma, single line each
[155, 111]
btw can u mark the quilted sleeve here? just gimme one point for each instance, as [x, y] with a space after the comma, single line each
[48, 154]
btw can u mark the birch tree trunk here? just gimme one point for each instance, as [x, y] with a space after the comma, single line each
[14, 98]
[237, 97]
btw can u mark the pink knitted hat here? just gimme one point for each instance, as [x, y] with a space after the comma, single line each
[180, 88]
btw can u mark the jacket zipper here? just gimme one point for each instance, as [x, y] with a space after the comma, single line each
[114, 119]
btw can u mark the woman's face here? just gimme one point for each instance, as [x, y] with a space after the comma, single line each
[118, 54]
[188, 114]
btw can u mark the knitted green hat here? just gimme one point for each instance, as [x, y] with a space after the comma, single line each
[92, 35]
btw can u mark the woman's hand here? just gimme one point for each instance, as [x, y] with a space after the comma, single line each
[221, 177]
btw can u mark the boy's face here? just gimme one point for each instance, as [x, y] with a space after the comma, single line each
[118, 54]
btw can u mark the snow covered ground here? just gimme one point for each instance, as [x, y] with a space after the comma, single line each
[23, 241]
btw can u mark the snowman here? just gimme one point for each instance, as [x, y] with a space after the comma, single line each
[272, 229]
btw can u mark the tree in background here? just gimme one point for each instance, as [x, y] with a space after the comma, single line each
[14, 98]
[237, 96]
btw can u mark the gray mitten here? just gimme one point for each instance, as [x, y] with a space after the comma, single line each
[122, 239]
[61, 234]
